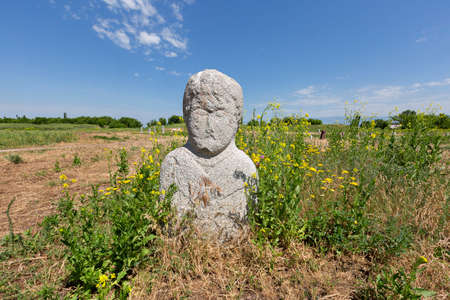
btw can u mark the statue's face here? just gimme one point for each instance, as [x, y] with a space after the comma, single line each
[211, 131]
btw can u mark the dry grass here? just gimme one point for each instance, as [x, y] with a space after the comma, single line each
[201, 270]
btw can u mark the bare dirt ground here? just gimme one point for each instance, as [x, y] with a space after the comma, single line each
[35, 183]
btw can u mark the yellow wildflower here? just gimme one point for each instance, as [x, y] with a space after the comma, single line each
[354, 183]
[423, 259]
[74, 180]
[65, 185]
[63, 177]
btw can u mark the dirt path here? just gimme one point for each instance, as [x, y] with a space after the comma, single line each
[35, 183]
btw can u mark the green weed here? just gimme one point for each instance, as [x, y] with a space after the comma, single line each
[76, 161]
[396, 285]
[15, 158]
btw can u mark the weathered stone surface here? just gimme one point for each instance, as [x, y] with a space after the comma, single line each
[210, 171]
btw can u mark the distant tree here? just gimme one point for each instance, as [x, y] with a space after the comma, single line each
[315, 121]
[163, 121]
[130, 122]
[442, 121]
[175, 120]
[382, 124]
[152, 123]
[406, 118]
[65, 115]
[117, 124]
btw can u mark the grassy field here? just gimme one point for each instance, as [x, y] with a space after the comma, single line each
[17, 135]
[360, 215]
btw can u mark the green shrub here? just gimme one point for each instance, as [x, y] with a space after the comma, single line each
[114, 230]
[76, 161]
[15, 158]
[396, 285]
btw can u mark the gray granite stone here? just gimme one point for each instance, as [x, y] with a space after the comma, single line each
[210, 171]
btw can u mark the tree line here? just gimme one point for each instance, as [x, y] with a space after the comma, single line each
[104, 121]
[407, 119]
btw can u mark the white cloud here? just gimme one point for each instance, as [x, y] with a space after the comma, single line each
[136, 75]
[152, 28]
[444, 82]
[70, 13]
[171, 54]
[175, 73]
[173, 39]
[160, 68]
[377, 100]
[177, 11]
[129, 4]
[308, 91]
[421, 39]
[317, 101]
[129, 28]
[119, 37]
[112, 3]
[148, 39]
[389, 91]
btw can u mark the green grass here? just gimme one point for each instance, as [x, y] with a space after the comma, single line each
[52, 127]
[21, 138]
[107, 138]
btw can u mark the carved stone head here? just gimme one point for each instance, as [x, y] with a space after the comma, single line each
[212, 108]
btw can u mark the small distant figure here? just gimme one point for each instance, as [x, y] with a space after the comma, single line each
[163, 129]
[322, 134]
[142, 130]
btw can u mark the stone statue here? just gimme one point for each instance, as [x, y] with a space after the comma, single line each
[210, 171]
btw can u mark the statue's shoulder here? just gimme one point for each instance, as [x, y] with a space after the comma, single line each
[176, 154]
[244, 161]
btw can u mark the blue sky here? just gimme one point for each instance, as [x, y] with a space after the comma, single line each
[134, 57]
